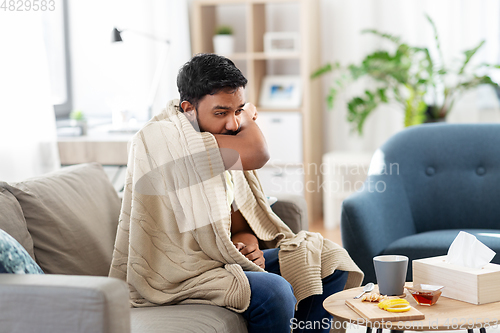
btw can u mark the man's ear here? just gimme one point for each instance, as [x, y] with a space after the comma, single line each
[189, 110]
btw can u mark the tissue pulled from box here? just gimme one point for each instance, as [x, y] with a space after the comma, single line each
[466, 250]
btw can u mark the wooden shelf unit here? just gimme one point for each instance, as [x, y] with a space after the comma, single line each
[254, 60]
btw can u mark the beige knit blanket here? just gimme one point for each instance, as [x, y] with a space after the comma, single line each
[172, 246]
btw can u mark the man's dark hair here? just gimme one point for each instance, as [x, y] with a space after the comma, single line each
[207, 74]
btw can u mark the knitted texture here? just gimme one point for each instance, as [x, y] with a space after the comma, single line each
[172, 246]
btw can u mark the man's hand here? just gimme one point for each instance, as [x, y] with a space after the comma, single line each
[239, 246]
[252, 253]
[249, 143]
[251, 110]
[245, 240]
[248, 115]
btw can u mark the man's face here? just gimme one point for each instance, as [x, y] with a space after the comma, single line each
[219, 113]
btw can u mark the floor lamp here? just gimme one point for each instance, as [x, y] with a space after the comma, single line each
[117, 37]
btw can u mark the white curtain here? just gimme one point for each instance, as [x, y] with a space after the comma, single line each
[461, 25]
[110, 77]
[172, 19]
[28, 142]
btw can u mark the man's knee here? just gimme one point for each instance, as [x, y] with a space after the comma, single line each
[280, 291]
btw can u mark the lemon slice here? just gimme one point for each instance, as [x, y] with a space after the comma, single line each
[395, 305]
[399, 308]
[389, 302]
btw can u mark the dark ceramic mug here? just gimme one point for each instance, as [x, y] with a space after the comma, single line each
[391, 274]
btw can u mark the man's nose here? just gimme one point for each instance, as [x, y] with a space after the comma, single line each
[232, 124]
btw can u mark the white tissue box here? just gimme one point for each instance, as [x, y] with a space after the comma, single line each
[476, 286]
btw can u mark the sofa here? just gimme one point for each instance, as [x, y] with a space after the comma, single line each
[425, 184]
[67, 221]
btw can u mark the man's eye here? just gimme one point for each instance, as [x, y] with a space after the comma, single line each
[220, 113]
[239, 111]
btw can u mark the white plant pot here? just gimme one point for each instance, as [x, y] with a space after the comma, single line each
[223, 44]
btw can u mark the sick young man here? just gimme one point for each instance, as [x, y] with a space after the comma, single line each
[198, 238]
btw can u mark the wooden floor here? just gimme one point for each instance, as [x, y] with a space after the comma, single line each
[333, 235]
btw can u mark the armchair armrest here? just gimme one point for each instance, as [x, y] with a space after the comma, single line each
[292, 209]
[63, 303]
[373, 218]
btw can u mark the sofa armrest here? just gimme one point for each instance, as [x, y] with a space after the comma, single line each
[374, 218]
[292, 209]
[63, 303]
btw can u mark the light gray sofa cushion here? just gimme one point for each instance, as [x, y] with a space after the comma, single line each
[292, 209]
[187, 318]
[63, 303]
[12, 220]
[72, 216]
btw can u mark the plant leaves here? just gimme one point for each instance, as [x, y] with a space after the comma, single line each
[330, 99]
[390, 37]
[382, 95]
[359, 108]
[489, 65]
[405, 75]
[436, 39]
[468, 55]
[322, 70]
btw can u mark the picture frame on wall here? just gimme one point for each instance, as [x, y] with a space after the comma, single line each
[280, 42]
[281, 91]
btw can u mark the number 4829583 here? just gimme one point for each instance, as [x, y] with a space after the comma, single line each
[27, 5]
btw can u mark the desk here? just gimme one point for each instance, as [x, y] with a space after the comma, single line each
[446, 314]
[109, 150]
[99, 145]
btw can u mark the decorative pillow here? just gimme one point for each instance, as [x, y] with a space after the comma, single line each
[72, 216]
[12, 219]
[14, 258]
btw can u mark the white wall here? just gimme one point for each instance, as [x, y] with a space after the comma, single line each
[118, 75]
[108, 75]
[28, 145]
[461, 25]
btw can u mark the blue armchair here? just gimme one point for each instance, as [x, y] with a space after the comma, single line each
[425, 184]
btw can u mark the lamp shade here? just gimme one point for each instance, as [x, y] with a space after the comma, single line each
[117, 37]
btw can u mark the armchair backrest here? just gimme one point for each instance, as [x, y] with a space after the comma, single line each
[450, 172]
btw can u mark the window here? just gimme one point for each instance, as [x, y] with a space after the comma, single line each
[56, 35]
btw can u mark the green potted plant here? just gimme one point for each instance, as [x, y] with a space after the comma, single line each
[408, 76]
[78, 120]
[223, 40]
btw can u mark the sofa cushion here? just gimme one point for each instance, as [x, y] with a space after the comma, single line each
[198, 318]
[72, 216]
[12, 220]
[14, 258]
[292, 209]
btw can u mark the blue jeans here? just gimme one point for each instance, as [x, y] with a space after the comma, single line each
[272, 304]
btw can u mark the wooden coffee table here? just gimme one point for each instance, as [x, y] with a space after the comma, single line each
[446, 314]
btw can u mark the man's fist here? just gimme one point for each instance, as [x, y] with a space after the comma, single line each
[239, 246]
[253, 253]
[251, 110]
